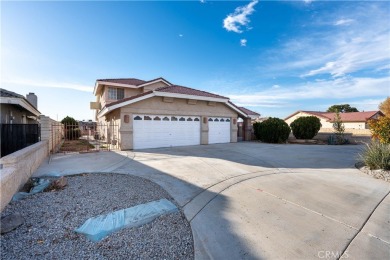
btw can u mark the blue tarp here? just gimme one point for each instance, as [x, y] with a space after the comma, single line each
[97, 228]
[39, 186]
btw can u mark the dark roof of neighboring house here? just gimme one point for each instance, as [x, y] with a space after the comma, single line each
[345, 117]
[7, 93]
[249, 112]
[188, 91]
[131, 81]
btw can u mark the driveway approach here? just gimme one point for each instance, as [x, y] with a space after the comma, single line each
[260, 201]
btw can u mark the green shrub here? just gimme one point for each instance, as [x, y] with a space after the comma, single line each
[272, 130]
[376, 156]
[72, 134]
[305, 127]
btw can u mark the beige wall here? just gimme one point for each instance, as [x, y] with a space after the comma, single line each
[51, 131]
[154, 86]
[18, 167]
[156, 106]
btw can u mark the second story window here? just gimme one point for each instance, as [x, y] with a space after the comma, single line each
[116, 93]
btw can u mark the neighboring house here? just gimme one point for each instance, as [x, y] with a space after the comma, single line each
[17, 109]
[351, 120]
[252, 114]
[19, 126]
[157, 113]
[87, 127]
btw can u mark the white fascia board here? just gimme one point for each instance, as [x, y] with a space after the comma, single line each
[154, 81]
[236, 109]
[184, 96]
[20, 102]
[106, 110]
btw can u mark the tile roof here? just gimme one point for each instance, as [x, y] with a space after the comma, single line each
[248, 112]
[7, 93]
[188, 91]
[351, 116]
[345, 117]
[129, 98]
[132, 81]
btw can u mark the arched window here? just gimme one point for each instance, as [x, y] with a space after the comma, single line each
[147, 118]
[157, 118]
[166, 119]
[137, 118]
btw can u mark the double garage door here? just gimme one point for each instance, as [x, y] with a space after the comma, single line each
[152, 131]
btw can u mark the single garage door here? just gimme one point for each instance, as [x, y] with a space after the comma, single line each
[219, 130]
[152, 131]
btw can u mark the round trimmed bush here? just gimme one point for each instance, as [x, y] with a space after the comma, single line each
[272, 130]
[305, 127]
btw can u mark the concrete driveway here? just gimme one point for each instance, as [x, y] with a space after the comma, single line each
[253, 201]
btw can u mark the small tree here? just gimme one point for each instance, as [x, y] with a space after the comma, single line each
[339, 129]
[385, 107]
[380, 129]
[72, 130]
[272, 130]
[305, 127]
[70, 121]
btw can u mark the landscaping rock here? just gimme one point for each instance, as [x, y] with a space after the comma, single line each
[60, 183]
[11, 222]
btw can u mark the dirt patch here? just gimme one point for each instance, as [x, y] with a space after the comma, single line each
[76, 146]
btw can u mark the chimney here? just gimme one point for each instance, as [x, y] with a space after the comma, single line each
[33, 99]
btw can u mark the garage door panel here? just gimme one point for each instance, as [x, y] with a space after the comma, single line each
[219, 130]
[165, 131]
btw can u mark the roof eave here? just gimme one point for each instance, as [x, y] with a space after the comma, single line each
[20, 102]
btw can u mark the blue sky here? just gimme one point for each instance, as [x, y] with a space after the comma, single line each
[274, 57]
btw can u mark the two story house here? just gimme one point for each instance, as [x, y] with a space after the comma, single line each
[157, 113]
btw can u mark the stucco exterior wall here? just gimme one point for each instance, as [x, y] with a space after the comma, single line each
[154, 86]
[156, 106]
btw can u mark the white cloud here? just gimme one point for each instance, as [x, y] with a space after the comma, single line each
[334, 51]
[275, 86]
[203, 1]
[243, 42]
[340, 88]
[181, 35]
[307, 1]
[234, 21]
[48, 84]
[344, 22]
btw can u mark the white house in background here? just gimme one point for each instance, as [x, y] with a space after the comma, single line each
[351, 120]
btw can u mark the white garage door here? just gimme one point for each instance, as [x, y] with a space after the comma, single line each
[152, 131]
[219, 130]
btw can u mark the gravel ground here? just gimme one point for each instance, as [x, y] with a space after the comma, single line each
[51, 217]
